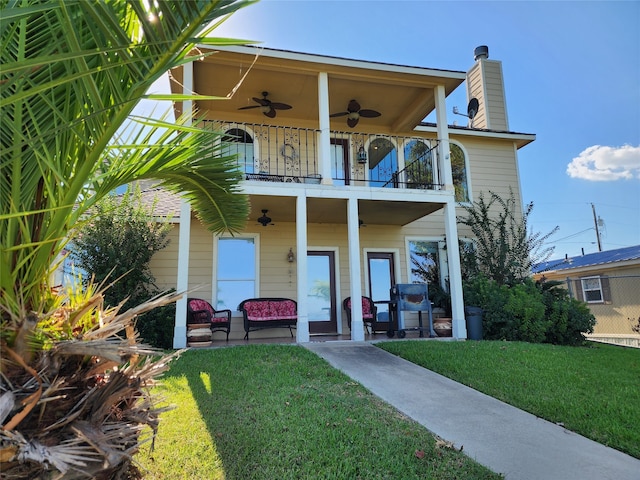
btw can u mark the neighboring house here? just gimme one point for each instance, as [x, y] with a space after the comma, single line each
[609, 282]
[345, 178]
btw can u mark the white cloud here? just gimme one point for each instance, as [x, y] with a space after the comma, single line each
[605, 164]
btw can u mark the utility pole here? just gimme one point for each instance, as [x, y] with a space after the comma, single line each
[595, 222]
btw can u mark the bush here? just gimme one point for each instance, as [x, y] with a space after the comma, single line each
[569, 318]
[117, 246]
[529, 312]
[156, 327]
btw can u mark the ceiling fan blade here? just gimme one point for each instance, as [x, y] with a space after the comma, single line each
[353, 106]
[352, 122]
[250, 106]
[262, 101]
[340, 114]
[280, 106]
[271, 113]
[369, 113]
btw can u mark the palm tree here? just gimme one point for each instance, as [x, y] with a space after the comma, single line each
[72, 391]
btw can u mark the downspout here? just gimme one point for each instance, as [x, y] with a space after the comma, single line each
[450, 225]
[184, 235]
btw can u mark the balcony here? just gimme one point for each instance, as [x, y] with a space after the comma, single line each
[270, 153]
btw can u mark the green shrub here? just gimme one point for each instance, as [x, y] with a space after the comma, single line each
[156, 327]
[526, 310]
[117, 246]
[568, 318]
[529, 312]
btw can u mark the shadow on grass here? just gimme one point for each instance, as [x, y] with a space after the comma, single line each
[274, 411]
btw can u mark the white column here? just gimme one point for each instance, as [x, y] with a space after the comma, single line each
[450, 225]
[353, 225]
[184, 236]
[302, 329]
[445, 174]
[324, 143]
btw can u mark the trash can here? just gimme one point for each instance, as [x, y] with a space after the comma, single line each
[473, 316]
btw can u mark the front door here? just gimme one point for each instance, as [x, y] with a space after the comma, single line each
[321, 292]
[381, 278]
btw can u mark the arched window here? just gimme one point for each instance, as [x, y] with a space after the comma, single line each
[239, 143]
[383, 162]
[418, 164]
[459, 171]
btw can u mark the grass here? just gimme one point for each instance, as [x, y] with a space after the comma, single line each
[280, 412]
[593, 391]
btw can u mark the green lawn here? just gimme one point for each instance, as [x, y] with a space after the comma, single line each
[280, 412]
[594, 391]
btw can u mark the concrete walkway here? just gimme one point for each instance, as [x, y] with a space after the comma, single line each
[505, 439]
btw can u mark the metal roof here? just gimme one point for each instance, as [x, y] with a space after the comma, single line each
[591, 259]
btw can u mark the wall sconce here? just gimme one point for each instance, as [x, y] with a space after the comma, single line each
[290, 257]
[362, 155]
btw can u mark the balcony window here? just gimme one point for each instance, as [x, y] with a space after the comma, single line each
[383, 162]
[459, 169]
[239, 143]
[418, 164]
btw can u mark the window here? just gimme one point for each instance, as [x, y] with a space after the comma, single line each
[383, 162]
[236, 271]
[459, 172]
[239, 143]
[425, 262]
[592, 290]
[418, 164]
[428, 264]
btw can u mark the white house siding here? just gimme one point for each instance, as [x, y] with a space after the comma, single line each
[492, 167]
[164, 264]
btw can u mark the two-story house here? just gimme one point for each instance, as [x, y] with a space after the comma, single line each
[347, 182]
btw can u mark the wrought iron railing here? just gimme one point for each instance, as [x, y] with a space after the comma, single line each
[290, 154]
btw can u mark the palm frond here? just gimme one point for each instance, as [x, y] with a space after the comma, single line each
[71, 74]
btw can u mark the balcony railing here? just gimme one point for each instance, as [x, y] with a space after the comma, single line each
[289, 154]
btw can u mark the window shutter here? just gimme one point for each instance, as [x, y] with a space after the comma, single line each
[577, 288]
[606, 289]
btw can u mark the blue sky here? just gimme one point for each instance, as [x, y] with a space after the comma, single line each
[572, 77]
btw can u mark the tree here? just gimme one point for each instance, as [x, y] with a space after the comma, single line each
[74, 393]
[504, 249]
[117, 246]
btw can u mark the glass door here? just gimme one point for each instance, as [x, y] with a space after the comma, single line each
[383, 163]
[340, 161]
[381, 278]
[321, 292]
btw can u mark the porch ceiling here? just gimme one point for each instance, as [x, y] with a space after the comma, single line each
[334, 210]
[403, 95]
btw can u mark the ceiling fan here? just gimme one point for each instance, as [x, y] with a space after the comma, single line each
[354, 112]
[264, 220]
[267, 106]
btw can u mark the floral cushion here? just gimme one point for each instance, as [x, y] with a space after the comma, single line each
[202, 311]
[366, 307]
[263, 310]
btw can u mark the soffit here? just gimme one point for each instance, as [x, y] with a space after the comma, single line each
[403, 95]
[334, 210]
